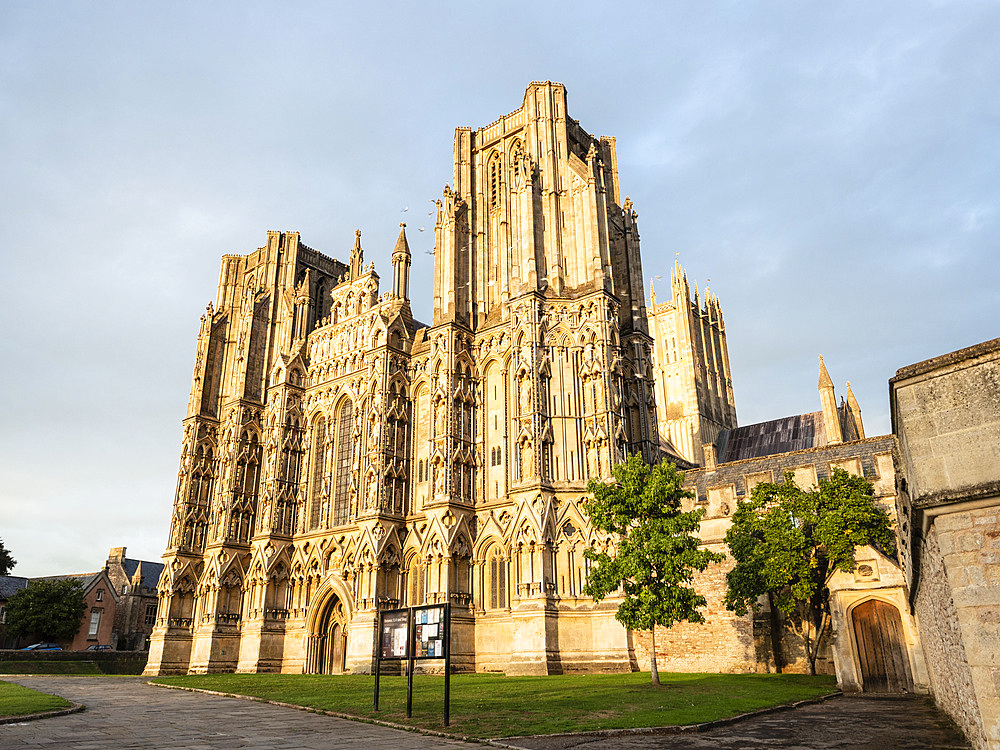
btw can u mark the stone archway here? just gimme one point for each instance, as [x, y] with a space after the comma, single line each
[327, 646]
[878, 632]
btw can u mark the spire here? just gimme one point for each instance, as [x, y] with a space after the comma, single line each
[824, 376]
[855, 410]
[357, 256]
[401, 265]
[652, 294]
[831, 418]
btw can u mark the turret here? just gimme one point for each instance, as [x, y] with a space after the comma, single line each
[401, 266]
[829, 402]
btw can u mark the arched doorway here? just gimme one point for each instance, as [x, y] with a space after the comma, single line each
[878, 632]
[328, 641]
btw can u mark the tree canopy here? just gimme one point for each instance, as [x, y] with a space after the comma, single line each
[52, 609]
[656, 552]
[789, 542]
[7, 562]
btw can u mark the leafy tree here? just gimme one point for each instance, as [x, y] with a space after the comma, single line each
[7, 562]
[656, 552]
[51, 608]
[789, 542]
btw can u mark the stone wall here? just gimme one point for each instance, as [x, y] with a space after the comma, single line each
[941, 636]
[723, 643]
[946, 415]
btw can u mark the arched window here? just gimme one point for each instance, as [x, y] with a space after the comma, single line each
[496, 569]
[415, 582]
[318, 471]
[345, 457]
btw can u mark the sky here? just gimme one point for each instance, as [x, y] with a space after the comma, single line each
[830, 170]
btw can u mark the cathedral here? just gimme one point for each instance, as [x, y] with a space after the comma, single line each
[340, 458]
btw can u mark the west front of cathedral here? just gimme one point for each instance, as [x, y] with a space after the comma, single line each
[340, 458]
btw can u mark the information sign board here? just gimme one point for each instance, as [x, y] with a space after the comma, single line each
[430, 635]
[395, 632]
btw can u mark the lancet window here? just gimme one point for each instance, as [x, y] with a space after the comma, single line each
[345, 457]
[496, 570]
[317, 488]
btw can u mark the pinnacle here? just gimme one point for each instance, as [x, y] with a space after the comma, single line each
[824, 377]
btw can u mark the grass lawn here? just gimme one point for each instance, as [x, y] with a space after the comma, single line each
[19, 701]
[486, 705]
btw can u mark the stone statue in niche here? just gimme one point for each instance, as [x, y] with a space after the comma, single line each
[439, 477]
[525, 394]
[372, 495]
[527, 461]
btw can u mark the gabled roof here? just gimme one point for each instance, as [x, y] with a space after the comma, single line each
[784, 435]
[10, 585]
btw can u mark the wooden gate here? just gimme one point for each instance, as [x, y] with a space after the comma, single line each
[878, 631]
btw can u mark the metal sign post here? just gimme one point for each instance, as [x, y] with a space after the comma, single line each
[393, 640]
[415, 633]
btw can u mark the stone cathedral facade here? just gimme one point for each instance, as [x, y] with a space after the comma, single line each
[339, 457]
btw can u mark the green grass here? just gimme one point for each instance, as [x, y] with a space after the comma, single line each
[20, 701]
[49, 667]
[496, 706]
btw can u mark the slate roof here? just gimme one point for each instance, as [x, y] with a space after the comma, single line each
[10, 585]
[150, 572]
[784, 435]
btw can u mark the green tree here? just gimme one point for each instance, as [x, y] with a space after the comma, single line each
[7, 562]
[53, 609]
[656, 551]
[789, 542]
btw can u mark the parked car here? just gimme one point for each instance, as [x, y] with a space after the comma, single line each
[98, 647]
[43, 647]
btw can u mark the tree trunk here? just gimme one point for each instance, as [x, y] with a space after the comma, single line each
[776, 632]
[652, 656]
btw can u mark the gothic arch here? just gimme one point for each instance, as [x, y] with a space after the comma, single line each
[878, 640]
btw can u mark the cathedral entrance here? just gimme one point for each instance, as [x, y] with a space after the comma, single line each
[878, 632]
[327, 652]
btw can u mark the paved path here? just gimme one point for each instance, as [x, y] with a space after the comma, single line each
[124, 712]
[835, 724]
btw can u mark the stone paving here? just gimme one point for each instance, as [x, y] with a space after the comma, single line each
[124, 712]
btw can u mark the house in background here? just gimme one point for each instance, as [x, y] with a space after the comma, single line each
[120, 602]
[9, 585]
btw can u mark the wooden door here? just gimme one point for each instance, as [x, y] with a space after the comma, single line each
[878, 632]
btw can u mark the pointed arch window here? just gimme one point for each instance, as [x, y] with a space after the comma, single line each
[318, 471]
[497, 571]
[344, 460]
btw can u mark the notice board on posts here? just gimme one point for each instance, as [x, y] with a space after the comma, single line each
[415, 633]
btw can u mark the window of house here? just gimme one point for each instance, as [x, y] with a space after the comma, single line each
[124, 588]
[100, 595]
[150, 618]
[95, 622]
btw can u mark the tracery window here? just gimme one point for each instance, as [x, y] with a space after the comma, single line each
[318, 471]
[497, 571]
[345, 457]
[415, 582]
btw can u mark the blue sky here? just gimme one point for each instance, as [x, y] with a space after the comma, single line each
[831, 167]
